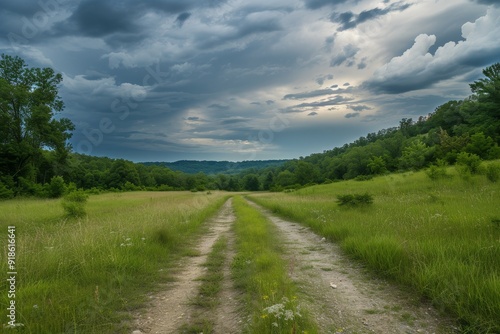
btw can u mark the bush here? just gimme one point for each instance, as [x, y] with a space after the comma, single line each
[56, 187]
[493, 172]
[5, 193]
[437, 171]
[363, 178]
[471, 161]
[74, 204]
[355, 199]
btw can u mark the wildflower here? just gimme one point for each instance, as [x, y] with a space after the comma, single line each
[288, 315]
[263, 316]
[275, 324]
[265, 297]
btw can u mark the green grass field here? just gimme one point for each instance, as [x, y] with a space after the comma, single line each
[441, 238]
[86, 275]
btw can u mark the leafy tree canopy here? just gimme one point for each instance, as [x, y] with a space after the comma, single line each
[29, 101]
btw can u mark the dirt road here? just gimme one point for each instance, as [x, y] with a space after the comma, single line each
[171, 308]
[341, 295]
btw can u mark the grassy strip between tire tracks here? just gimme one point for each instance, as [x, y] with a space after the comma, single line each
[270, 296]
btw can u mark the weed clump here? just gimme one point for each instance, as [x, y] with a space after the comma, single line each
[493, 172]
[469, 162]
[437, 171]
[74, 204]
[355, 199]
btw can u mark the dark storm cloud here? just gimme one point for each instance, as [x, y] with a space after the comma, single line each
[345, 56]
[358, 107]
[212, 78]
[315, 4]
[181, 18]
[349, 20]
[321, 80]
[338, 100]
[96, 18]
[352, 115]
[218, 106]
[235, 120]
[487, 2]
[305, 95]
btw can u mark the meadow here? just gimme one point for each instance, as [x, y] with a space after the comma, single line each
[86, 275]
[440, 238]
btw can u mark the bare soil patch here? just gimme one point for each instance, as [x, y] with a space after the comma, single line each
[343, 297]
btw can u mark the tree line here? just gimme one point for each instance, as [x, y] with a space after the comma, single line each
[36, 159]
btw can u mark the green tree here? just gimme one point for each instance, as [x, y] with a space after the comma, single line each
[56, 187]
[480, 145]
[29, 101]
[285, 178]
[251, 182]
[487, 90]
[305, 173]
[377, 165]
[120, 172]
[268, 181]
[414, 155]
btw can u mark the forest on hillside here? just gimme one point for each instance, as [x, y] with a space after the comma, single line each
[36, 159]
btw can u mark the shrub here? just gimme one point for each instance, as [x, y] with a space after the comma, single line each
[363, 178]
[56, 187]
[471, 161]
[74, 204]
[355, 199]
[437, 171]
[493, 172]
[5, 193]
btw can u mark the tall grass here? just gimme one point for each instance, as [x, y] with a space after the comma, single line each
[85, 275]
[439, 237]
[260, 272]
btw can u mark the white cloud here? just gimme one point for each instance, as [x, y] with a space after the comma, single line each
[103, 87]
[416, 68]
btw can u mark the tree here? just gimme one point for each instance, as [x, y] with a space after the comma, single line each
[377, 165]
[269, 181]
[414, 155]
[120, 173]
[56, 187]
[28, 103]
[488, 90]
[251, 182]
[480, 145]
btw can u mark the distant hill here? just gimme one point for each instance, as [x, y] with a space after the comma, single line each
[217, 167]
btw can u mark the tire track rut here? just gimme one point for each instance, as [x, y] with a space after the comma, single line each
[171, 308]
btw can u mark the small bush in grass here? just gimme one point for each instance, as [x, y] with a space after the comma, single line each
[56, 187]
[493, 172]
[437, 171]
[470, 161]
[5, 193]
[74, 204]
[355, 199]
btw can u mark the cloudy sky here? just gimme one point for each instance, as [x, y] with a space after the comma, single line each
[164, 80]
